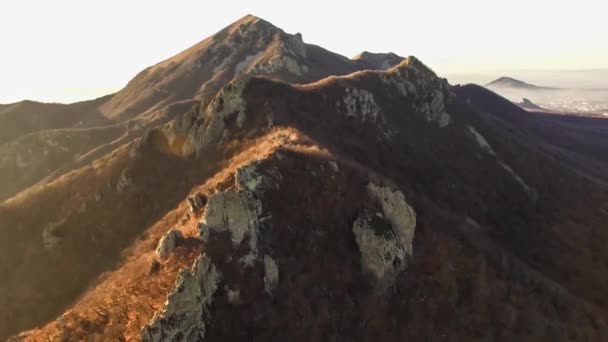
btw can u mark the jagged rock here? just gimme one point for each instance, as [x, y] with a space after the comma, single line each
[412, 79]
[397, 212]
[385, 239]
[168, 242]
[360, 103]
[271, 274]
[227, 103]
[186, 309]
[51, 235]
[248, 178]
[382, 255]
[197, 202]
[235, 212]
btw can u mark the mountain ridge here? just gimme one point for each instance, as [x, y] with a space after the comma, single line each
[258, 209]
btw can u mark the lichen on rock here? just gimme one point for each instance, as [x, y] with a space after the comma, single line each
[186, 309]
[168, 242]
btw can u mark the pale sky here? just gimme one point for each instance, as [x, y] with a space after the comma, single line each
[68, 50]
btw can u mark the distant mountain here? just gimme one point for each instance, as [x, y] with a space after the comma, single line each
[508, 82]
[256, 187]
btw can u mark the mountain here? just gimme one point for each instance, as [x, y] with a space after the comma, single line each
[508, 82]
[250, 46]
[294, 194]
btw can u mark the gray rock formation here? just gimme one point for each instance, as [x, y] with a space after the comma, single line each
[168, 242]
[397, 212]
[385, 239]
[202, 134]
[248, 178]
[186, 309]
[382, 255]
[237, 213]
[429, 93]
[360, 103]
[197, 202]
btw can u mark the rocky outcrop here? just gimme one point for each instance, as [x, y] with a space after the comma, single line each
[382, 256]
[168, 242]
[248, 178]
[385, 239]
[197, 202]
[360, 103]
[397, 212]
[234, 212]
[428, 93]
[184, 315]
[211, 126]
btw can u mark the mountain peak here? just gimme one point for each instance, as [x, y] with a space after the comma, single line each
[510, 83]
[379, 60]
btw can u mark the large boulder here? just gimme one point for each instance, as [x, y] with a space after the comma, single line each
[385, 239]
[168, 242]
[382, 256]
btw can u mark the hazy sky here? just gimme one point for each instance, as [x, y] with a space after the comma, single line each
[66, 50]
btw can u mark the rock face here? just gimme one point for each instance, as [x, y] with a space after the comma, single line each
[235, 212]
[429, 94]
[382, 256]
[197, 202]
[248, 178]
[168, 242]
[385, 239]
[183, 317]
[360, 103]
[397, 212]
